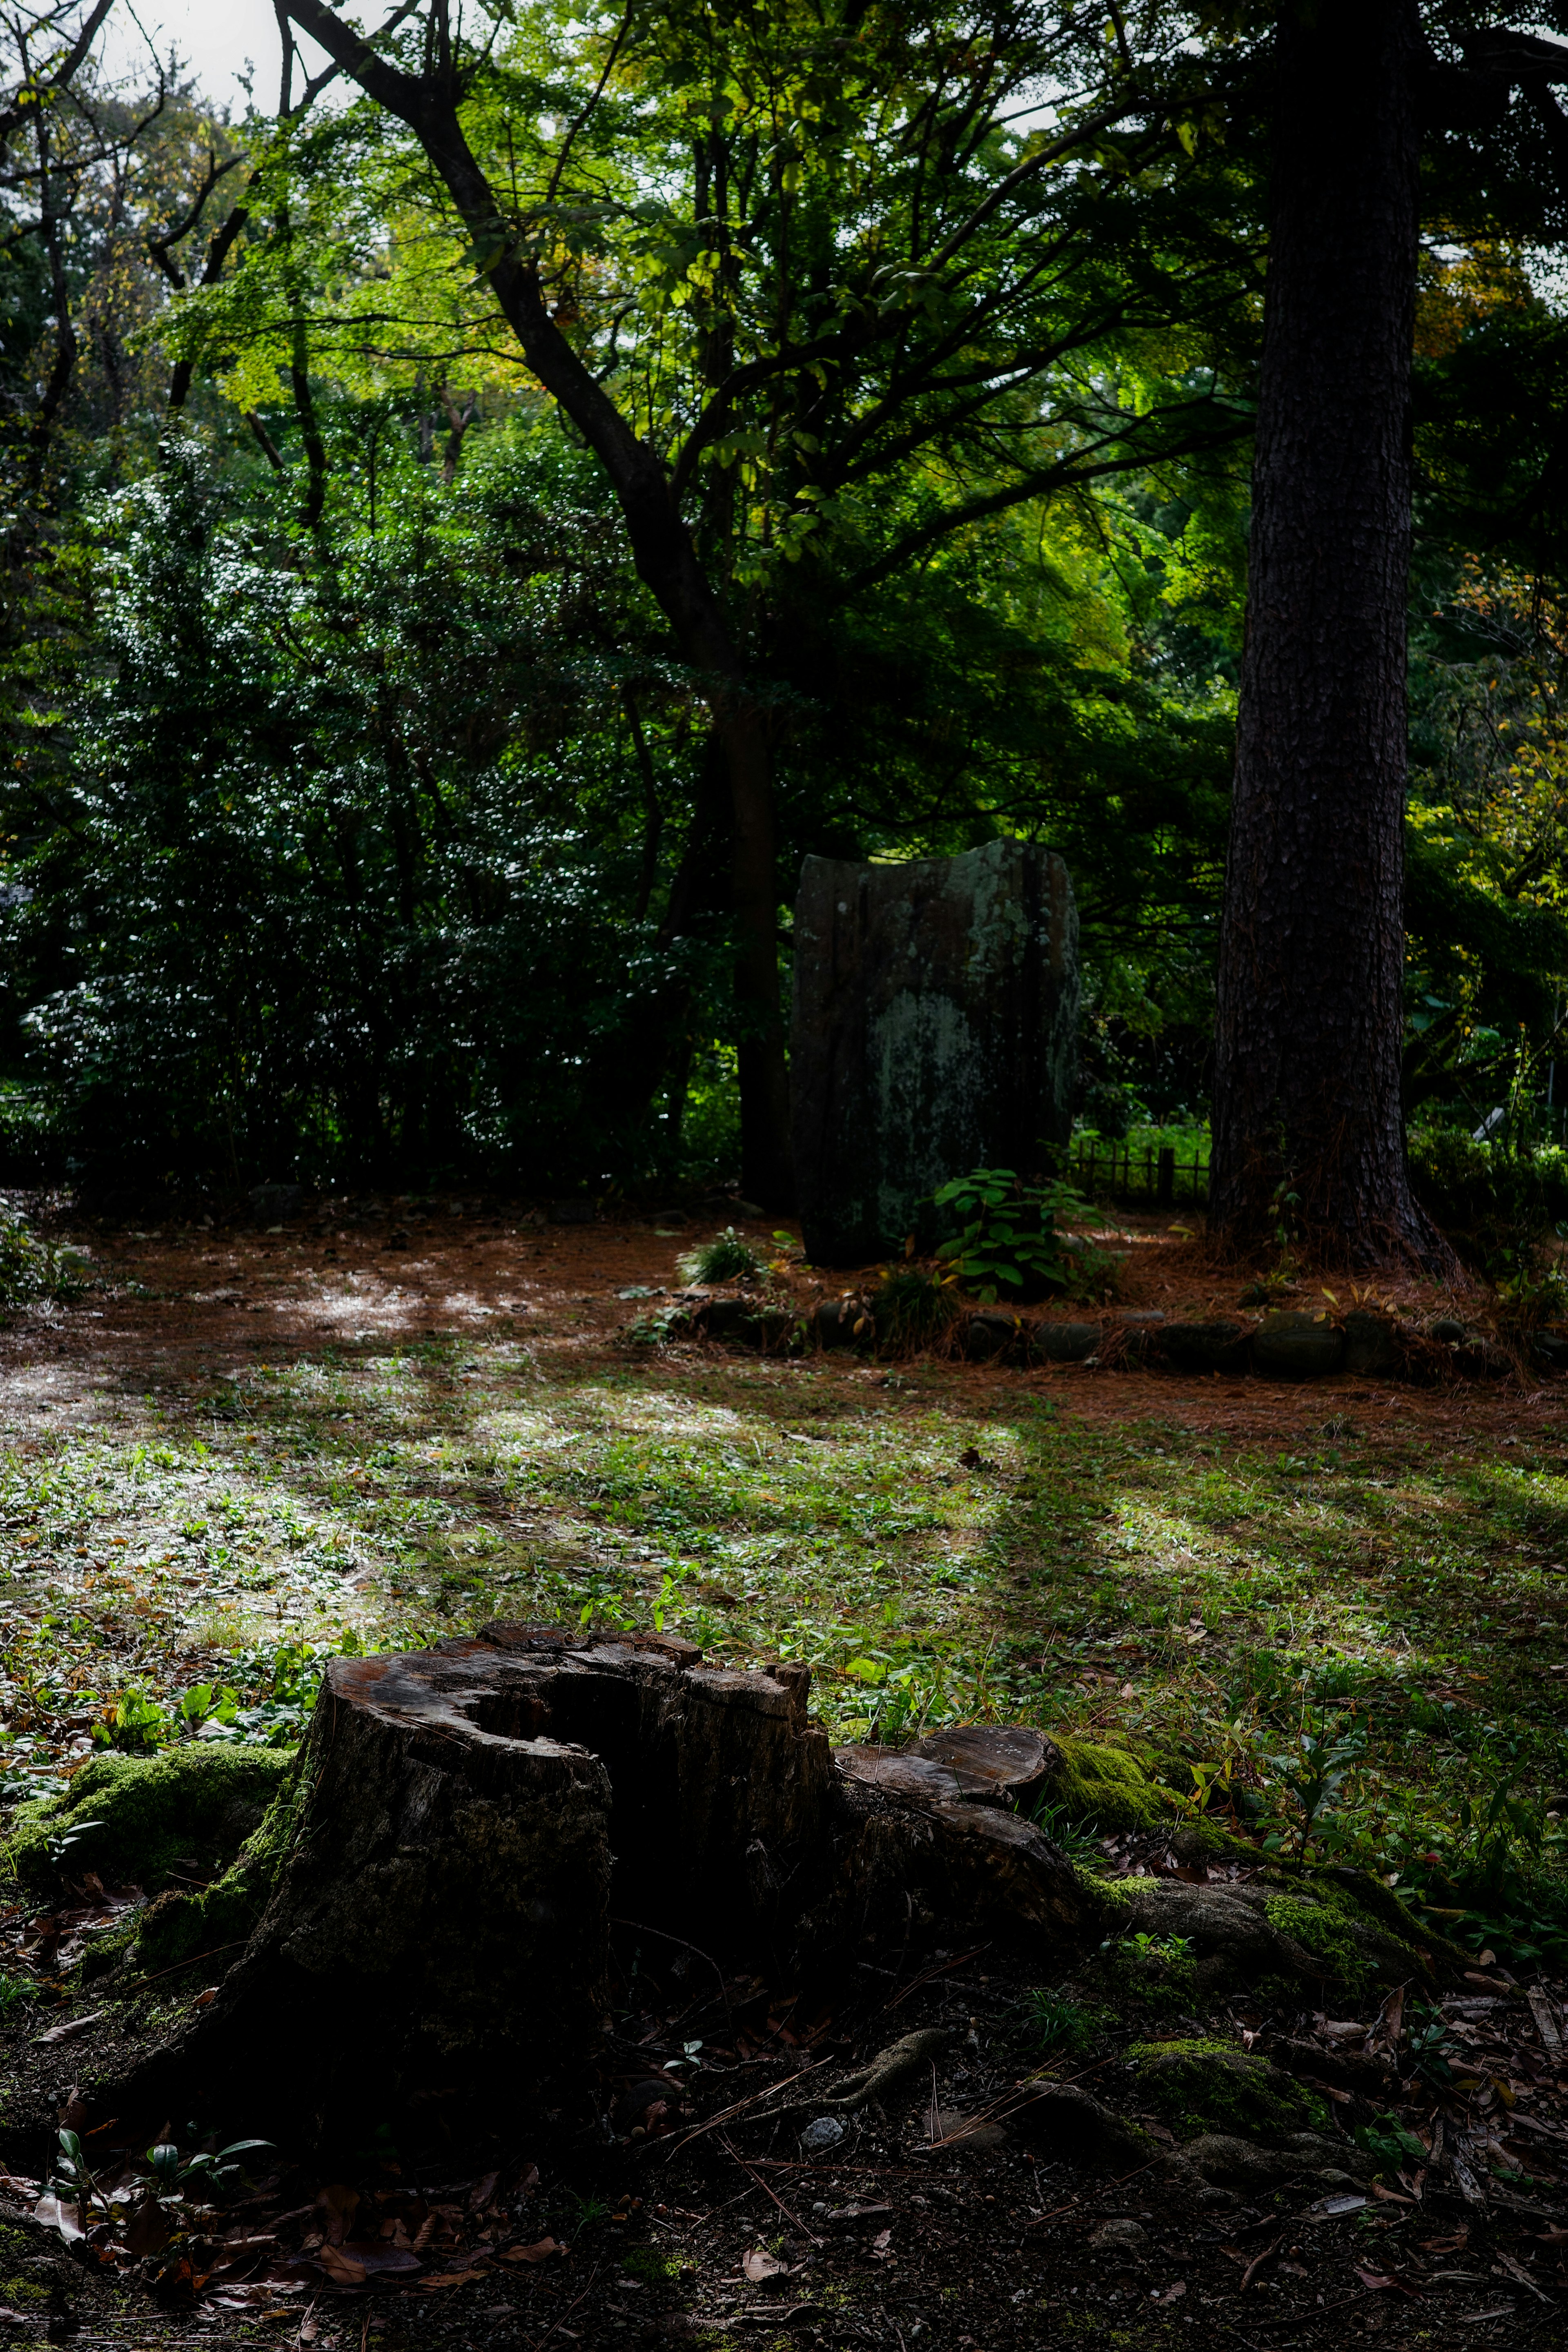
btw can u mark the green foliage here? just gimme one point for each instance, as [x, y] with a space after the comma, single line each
[30, 1268]
[1389, 2144]
[1009, 1241]
[728, 1257]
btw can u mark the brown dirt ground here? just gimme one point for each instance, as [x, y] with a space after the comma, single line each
[211, 1300]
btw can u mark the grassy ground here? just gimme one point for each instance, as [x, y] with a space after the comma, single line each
[1334, 1612]
[938, 1545]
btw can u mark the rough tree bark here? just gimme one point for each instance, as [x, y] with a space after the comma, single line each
[1312, 955]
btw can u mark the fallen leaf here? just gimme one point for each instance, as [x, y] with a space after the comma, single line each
[1378, 2280]
[1454, 2245]
[1329, 2209]
[382, 2261]
[205, 2000]
[339, 2202]
[881, 2243]
[450, 2278]
[148, 2231]
[482, 2191]
[760, 2264]
[343, 2270]
[54, 2215]
[540, 2253]
[1170, 2294]
[72, 2027]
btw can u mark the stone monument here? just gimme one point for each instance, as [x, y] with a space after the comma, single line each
[935, 1031]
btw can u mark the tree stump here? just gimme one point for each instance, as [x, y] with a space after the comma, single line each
[471, 1821]
[935, 1031]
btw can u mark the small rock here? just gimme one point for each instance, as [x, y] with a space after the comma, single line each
[1446, 1329]
[1126, 2236]
[1063, 1343]
[1207, 1346]
[819, 2136]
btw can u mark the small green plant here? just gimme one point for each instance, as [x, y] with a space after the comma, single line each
[728, 1257]
[29, 1268]
[1164, 1948]
[1077, 1839]
[1056, 2020]
[1429, 2041]
[135, 1724]
[911, 1307]
[14, 1993]
[61, 1841]
[1389, 2145]
[1313, 1773]
[1008, 1242]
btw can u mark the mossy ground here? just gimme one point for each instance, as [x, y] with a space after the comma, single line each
[1213, 2086]
[138, 1817]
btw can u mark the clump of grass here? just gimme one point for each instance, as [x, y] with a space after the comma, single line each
[912, 1307]
[727, 1256]
[29, 1268]
[1055, 2021]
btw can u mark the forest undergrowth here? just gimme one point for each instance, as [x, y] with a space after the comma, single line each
[1329, 1620]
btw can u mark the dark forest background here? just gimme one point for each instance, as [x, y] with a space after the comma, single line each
[361, 822]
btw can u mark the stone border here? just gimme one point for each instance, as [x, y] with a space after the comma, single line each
[1285, 1344]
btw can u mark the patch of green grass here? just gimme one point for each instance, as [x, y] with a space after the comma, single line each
[1157, 1590]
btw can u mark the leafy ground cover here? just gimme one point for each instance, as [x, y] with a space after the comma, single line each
[1338, 1615]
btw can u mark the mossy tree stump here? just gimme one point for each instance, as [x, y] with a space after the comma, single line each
[469, 1823]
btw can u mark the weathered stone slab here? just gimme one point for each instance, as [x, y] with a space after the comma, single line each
[935, 1031]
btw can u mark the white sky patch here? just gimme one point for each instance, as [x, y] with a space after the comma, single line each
[215, 38]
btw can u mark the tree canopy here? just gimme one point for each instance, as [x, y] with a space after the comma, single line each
[479, 517]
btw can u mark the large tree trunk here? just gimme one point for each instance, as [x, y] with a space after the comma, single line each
[1312, 948]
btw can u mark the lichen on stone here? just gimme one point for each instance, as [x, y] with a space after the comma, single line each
[1212, 2086]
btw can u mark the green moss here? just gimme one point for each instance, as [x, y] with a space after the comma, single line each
[20, 2290]
[1212, 2086]
[135, 1817]
[1167, 1985]
[1322, 1931]
[647, 2261]
[1107, 1785]
[180, 1927]
[1355, 1926]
